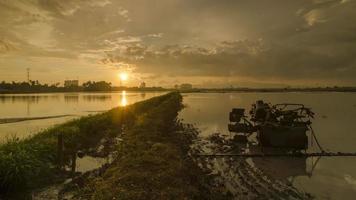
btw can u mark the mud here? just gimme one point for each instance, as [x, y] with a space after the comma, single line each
[14, 120]
[245, 178]
[89, 165]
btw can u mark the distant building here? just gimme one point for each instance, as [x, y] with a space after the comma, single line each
[71, 83]
[143, 85]
[186, 86]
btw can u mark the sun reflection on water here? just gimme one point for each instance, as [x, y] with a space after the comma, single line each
[123, 101]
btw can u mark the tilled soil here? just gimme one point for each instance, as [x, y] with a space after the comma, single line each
[239, 176]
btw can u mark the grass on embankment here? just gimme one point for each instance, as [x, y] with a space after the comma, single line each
[31, 162]
[27, 164]
[153, 161]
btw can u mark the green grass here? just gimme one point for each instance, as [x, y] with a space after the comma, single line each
[30, 163]
[153, 159]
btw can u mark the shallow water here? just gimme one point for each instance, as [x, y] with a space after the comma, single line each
[334, 125]
[19, 106]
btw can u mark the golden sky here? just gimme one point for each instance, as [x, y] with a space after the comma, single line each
[210, 43]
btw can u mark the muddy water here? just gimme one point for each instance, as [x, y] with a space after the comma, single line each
[334, 125]
[30, 113]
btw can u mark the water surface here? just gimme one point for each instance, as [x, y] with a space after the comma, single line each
[54, 106]
[334, 125]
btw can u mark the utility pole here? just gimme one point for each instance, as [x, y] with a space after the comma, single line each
[28, 75]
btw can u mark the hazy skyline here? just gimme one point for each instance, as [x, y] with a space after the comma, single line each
[210, 43]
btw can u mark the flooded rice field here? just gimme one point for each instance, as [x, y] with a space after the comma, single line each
[245, 178]
[278, 178]
[25, 114]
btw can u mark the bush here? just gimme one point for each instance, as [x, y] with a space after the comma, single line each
[21, 163]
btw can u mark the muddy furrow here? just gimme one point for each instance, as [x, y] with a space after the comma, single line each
[242, 179]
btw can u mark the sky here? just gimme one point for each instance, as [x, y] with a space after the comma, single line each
[209, 43]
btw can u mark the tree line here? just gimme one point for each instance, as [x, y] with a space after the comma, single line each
[36, 86]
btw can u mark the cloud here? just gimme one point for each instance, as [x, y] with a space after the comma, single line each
[238, 58]
[7, 46]
[254, 40]
[124, 13]
[314, 16]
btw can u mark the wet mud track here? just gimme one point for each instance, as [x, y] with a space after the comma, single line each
[240, 177]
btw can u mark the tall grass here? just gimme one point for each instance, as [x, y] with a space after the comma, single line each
[29, 163]
[21, 162]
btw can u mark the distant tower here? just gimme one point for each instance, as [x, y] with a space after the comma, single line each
[28, 75]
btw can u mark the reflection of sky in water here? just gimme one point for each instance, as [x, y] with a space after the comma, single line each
[39, 105]
[351, 180]
[334, 125]
[123, 101]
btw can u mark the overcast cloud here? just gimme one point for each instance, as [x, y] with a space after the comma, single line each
[164, 42]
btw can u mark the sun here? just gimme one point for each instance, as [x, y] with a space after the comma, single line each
[123, 76]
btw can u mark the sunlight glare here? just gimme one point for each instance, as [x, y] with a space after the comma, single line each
[123, 102]
[123, 76]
